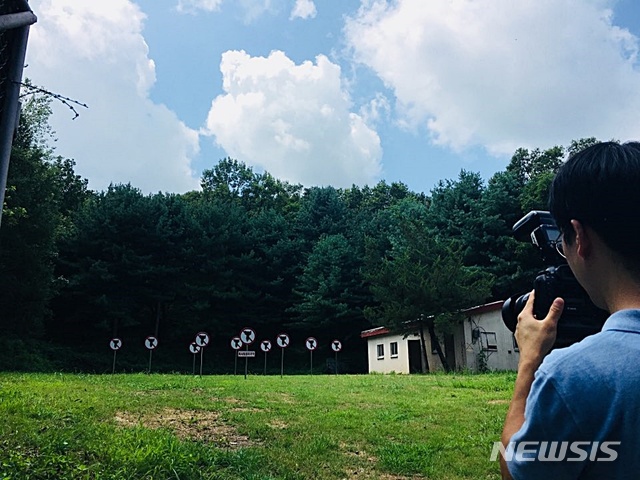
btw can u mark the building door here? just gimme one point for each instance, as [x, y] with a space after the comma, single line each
[415, 356]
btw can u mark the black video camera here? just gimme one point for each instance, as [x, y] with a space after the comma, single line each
[580, 317]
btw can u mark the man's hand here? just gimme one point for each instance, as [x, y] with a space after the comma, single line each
[536, 337]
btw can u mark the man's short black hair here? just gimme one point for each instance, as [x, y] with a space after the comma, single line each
[600, 187]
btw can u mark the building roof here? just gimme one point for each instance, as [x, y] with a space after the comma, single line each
[477, 310]
[487, 307]
[374, 332]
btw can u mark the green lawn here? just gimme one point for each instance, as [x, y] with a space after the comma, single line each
[65, 426]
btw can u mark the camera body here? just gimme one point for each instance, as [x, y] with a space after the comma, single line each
[580, 317]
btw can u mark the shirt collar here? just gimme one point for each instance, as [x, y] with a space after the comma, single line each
[623, 320]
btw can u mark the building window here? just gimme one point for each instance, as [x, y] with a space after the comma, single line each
[490, 341]
[394, 349]
[380, 351]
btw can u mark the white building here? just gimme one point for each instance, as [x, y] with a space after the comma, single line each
[481, 342]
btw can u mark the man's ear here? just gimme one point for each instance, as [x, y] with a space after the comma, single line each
[582, 238]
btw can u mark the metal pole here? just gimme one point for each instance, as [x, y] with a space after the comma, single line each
[201, 355]
[10, 109]
[113, 370]
[311, 353]
[246, 362]
[336, 363]
[235, 366]
[265, 363]
[281, 362]
[17, 20]
[194, 363]
[150, 355]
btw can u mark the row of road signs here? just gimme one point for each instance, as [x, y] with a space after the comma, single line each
[247, 337]
[202, 340]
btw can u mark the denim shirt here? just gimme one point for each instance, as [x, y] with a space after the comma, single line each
[583, 394]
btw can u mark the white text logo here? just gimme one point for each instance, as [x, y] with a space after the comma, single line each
[555, 451]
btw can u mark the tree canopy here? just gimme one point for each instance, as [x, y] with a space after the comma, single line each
[79, 266]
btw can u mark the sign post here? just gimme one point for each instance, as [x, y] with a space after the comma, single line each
[283, 341]
[151, 343]
[236, 344]
[115, 344]
[247, 336]
[194, 348]
[265, 346]
[202, 340]
[311, 345]
[336, 346]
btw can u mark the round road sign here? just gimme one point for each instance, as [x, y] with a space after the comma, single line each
[311, 343]
[247, 336]
[236, 343]
[336, 345]
[194, 347]
[265, 346]
[282, 340]
[202, 339]
[115, 344]
[151, 342]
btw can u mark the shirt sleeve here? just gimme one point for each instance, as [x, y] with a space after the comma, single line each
[544, 447]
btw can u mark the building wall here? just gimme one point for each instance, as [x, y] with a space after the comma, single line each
[399, 363]
[387, 363]
[493, 339]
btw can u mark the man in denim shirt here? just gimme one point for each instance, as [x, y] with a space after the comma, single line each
[576, 413]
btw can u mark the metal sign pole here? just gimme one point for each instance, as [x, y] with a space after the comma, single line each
[194, 363]
[246, 362]
[235, 367]
[311, 353]
[201, 356]
[336, 363]
[281, 362]
[265, 363]
[150, 355]
[113, 370]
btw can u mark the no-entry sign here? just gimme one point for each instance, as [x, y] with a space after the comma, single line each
[202, 339]
[282, 340]
[151, 343]
[247, 336]
[311, 344]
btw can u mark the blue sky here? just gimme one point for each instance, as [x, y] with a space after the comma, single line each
[331, 92]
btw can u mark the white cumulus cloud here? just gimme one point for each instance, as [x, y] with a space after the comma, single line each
[303, 9]
[94, 52]
[503, 74]
[292, 120]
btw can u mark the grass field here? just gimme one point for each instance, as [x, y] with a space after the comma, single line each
[391, 427]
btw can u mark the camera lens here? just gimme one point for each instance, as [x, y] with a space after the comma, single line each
[512, 308]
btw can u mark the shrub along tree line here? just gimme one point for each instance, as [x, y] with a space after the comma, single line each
[79, 267]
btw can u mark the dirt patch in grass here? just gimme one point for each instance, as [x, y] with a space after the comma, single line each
[365, 466]
[198, 425]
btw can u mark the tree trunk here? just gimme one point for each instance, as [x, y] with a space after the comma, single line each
[436, 343]
[425, 368]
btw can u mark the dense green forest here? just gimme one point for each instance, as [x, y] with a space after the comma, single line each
[79, 267]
